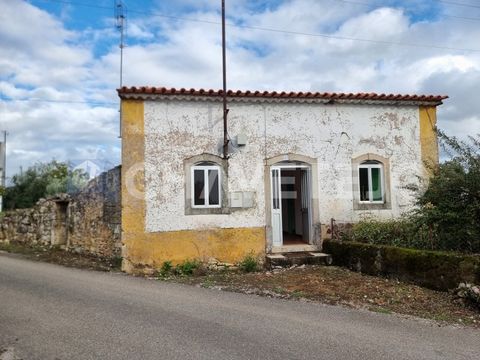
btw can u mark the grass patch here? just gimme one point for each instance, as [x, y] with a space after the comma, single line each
[249, 264]
[18, 248]
[208, 283]
[380, 310]
[187, 267]
[280, 290]
[166, 269]
[298, 294]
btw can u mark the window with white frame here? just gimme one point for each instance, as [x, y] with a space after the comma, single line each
[206, 191]
[371, 182]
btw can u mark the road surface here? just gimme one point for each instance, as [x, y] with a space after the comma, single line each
[52, 312]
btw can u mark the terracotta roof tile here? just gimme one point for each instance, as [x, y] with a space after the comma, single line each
[144, 90]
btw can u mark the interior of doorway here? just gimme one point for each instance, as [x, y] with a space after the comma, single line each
[295, 222]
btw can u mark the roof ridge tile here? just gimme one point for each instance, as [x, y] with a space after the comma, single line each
[281, 94]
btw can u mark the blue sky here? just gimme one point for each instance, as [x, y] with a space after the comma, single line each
[60, 59]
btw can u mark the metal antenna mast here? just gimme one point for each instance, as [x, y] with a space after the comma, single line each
[120, 24]
[225, 109]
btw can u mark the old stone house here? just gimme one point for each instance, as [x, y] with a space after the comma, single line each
[296, 160]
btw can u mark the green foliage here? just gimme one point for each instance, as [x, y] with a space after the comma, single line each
[450, 206]
[297, 294]
[187, 267]
[116, 262]
[249, 263]
[41, 180]
[166, 269]
[404, 232]
[448, 212]
[437, 270]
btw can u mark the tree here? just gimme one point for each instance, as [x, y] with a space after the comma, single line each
[41, 180]
[451, 203]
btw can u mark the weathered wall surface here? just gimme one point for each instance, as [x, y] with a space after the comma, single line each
[94, 216]
[88, 221]
[147, 250]
[160, 134]
[333, 134]
[43, 224]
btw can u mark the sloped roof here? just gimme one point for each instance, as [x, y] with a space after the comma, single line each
[153, 92]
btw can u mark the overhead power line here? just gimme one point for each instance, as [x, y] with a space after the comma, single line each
[59, 101]
[459, 4]
[273, 30]
[442, 15]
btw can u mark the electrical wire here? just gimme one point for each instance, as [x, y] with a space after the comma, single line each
[273, 30]
[459, 4]
[442, 15]
[59, 101]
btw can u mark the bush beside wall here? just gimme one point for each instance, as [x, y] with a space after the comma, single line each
[410, 232]
[432, 269]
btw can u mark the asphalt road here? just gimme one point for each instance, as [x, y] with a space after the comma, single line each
[52, 312]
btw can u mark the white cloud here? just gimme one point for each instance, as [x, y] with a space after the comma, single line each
[43, 59]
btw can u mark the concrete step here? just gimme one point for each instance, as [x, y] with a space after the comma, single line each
[298, 258]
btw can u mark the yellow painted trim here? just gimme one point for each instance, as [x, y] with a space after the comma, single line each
[428, 138]
[144, 251]
[150, 250]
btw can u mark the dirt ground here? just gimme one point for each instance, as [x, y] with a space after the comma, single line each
[334, 285]
[61, 257]
[326, 284]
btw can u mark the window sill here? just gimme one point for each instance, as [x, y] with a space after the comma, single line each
[372, 206]
[207, 211]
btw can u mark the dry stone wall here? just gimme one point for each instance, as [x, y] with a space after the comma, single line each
[87, 221]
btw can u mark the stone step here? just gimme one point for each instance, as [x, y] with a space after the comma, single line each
[298, 258]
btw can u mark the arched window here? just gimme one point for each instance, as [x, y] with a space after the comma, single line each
[205, 189]
[205, 185]
[371, 182]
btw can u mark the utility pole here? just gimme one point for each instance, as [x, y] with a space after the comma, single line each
[120, 22]
[3, 165]
[225, 109]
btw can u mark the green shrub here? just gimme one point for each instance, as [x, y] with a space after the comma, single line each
[116, 262]
[437, 270]
[404, 232]
[248, 264]
[448, 209]
[166, 269]
[187, 267]
[450, 205]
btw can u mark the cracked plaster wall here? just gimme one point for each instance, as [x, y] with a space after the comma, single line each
[333, 134]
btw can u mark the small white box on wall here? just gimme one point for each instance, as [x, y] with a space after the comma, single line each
[241, 199]
[236, 199]
[241, 140]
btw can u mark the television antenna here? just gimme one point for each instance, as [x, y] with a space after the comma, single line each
[120, 25]
[120, 13]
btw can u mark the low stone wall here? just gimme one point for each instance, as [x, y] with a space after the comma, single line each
[88, 221]
[432, 269]
[43, 224]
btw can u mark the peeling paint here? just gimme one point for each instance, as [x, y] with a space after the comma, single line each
[156, 226]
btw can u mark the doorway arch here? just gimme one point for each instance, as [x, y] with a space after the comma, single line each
[292, 215]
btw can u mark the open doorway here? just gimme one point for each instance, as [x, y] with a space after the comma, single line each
[291, 204]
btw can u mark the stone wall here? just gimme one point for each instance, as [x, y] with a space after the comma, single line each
[432, 269]
[87, 221]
